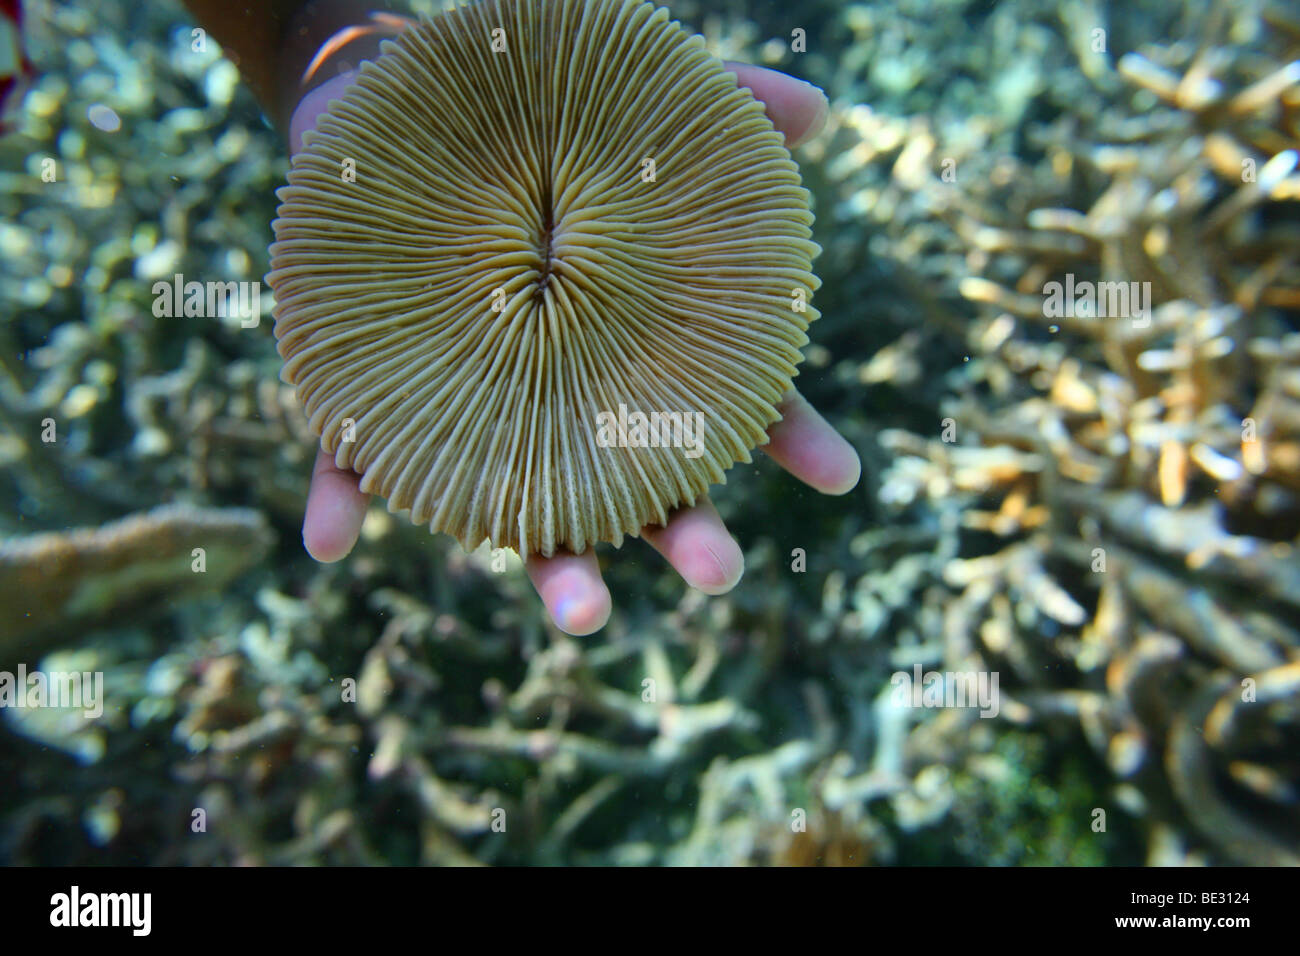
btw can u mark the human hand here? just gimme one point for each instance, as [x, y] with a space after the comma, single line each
[694, 541]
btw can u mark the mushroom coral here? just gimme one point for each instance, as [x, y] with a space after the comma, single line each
[525, 224]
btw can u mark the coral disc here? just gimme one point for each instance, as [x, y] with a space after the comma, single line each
[524, 224]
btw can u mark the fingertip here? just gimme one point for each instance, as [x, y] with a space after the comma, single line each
[579, 616]
[796, 108]
[816, 120]
[849, 472]
[336, 508]
[696, 543]
[716, 568]
[312, 105]
[807, 446]
[572, 590]
[325, 545]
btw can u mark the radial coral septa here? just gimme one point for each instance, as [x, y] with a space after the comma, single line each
[557, 299]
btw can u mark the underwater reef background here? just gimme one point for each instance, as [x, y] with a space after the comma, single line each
[1104, 511]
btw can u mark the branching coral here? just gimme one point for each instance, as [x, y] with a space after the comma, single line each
[1133, 441]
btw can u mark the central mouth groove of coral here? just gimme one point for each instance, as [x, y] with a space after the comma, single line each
[547, 252]
[546, 241]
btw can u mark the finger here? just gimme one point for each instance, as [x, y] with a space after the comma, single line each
[696, 543]
[311, 106]
[336, 507]
[571, 588]
[805, 444]
[796, 108]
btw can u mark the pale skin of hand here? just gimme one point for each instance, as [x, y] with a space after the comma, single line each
[694, 541]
